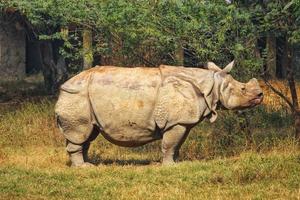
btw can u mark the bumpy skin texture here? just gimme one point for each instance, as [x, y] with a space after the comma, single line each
[134, 106]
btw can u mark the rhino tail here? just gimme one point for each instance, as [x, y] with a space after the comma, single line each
[70, 89]
[58, 122]
[77, 83]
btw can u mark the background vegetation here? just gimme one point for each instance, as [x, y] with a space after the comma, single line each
[149, 33]
[249, 155]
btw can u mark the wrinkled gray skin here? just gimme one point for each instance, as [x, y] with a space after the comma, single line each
[134, 106]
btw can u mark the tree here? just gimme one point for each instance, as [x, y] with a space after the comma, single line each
[87, 48]
[281, 17]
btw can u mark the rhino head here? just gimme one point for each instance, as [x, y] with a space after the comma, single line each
[234, 94]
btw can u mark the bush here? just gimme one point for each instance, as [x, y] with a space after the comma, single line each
[234, 132]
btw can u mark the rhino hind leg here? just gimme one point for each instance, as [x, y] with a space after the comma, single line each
[75, 152]
[86, 145]
[171, 143]
[85, 150]
[78, 153]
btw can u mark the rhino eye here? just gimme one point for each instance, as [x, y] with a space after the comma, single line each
[243, 89]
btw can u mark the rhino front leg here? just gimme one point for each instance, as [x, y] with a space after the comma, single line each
[171, 143]
[78, 154]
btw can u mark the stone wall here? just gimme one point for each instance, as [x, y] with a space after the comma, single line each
[12, 51]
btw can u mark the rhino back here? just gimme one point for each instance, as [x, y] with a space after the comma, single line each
[123, 100]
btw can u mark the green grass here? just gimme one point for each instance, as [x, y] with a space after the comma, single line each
[251, 176]
[218, 161]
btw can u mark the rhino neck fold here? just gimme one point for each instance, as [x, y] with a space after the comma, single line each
[204, 82]
[212, 99]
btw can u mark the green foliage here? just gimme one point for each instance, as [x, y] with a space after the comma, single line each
[149, 32]
[212, 30]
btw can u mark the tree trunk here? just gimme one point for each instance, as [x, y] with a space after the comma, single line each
[54, 70]
[65, 33]
[256, 50]
[87, 49]
[179, 55]
[281, 57]
[290, 75]
[33, 57]
[297, 124]
[47, 66]
[292, 85]
[271, 55]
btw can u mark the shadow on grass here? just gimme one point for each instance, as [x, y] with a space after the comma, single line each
[123, 162]
[97, 160]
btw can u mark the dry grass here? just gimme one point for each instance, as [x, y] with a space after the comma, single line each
[29, 123]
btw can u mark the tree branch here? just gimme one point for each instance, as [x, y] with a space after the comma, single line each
[117, 40]
[279, 94]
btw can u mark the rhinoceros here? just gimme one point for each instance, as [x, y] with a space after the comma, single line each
[134, 106]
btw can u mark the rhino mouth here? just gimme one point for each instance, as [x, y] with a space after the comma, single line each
[257, 100]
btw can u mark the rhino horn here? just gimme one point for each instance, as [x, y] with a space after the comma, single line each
[228, 67]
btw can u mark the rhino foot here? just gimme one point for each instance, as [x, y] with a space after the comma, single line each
[168, 162]
[78, 154]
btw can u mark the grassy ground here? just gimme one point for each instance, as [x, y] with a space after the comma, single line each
[248, 156]
[250, 176]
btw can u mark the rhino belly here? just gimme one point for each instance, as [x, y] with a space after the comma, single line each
[130, 137]
[123, 103]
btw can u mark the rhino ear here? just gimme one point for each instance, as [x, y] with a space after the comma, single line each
[212, 66]
[228, 68]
